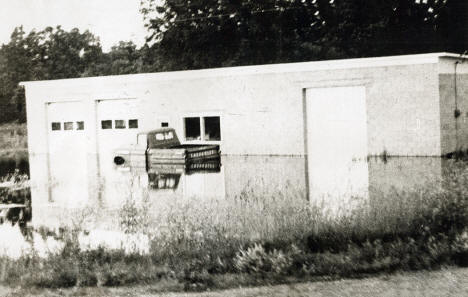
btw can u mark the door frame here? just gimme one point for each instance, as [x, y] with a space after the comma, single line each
[47, 104]
[350, 82]
[97, 100]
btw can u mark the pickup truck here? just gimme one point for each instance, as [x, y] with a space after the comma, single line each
[160, 153]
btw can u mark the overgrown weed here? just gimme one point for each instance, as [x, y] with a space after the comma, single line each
[264, 240]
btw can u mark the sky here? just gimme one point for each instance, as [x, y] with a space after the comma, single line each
[110, 20]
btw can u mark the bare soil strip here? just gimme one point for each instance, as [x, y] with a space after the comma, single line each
[446, 282]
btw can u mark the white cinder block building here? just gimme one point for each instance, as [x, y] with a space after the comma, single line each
[301, 126]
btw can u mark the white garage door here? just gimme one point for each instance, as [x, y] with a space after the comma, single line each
[337, 144]
[67, 153]
[117, 126]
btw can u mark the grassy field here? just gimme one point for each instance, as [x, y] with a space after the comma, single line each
[13, 148]
[446, 282]
[13, 137]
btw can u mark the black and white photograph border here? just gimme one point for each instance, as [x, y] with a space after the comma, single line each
[233, 148]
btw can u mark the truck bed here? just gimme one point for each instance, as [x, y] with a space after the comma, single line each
[184, 158]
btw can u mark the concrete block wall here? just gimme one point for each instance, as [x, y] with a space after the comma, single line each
[454, 131]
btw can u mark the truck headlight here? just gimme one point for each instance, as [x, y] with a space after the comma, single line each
[118, 160]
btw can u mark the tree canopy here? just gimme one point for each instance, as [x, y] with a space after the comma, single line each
[209, 33]
[54, 53]
[49, 54]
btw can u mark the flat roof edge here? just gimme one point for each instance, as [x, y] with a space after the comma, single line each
[429, 58]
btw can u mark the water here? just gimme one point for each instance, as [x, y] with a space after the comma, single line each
[259, 177]
[16, 242]
[270, 176]
[15, 164]
[241, 177]
[8, 164]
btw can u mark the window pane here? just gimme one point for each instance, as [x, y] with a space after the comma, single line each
[107, 124]
[164, 124]
[133, 124]
[79, 125]
[120, 124]
[68, 126]
[56, 126]
[212, 128]
[192, 129]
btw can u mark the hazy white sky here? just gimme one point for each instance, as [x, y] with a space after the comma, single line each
[110, 20]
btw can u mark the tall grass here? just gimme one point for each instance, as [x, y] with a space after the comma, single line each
[193, 244]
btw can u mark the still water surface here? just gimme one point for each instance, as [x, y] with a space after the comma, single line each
[257, 177]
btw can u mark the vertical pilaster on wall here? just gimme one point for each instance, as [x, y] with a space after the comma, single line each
[49, 175]
[456, 112]
[306, 149]
[96, 189]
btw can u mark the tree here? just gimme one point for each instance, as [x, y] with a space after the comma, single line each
[19, 60]
[67, 54]
[125, 58]
[48, 54]
[451, 25]
[200, 33]
[209, 33]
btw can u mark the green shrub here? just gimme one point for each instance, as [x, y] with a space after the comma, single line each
[258, 261]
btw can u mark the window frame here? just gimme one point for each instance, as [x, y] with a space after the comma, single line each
[53, 128]
[111, 125]
[199, 128]
[67, 127]
[120, 124]
[80, 125]
[201, 116]
[204, 128]
[131, 123]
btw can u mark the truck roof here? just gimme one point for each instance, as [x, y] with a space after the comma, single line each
[167, 140]
[165, 129]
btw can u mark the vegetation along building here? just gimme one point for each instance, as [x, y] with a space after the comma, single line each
[313, 130]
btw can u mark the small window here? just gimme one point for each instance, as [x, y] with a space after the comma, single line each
[56, 126]
[80, 125]
[212, 128]
[107, 124]
[164, 124]
[133, 124]
[120, 124]
[164, 136]
[192, 129]
[168, 135]
[68, 126]
[159, 136]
